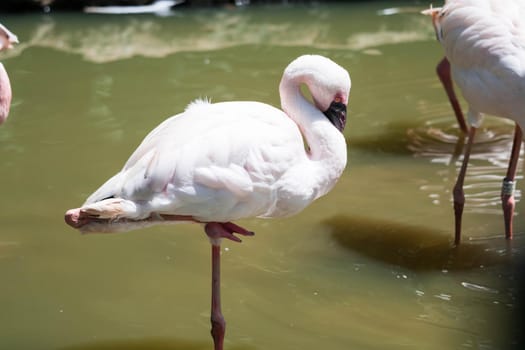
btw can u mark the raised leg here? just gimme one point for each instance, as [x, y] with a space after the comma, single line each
[443, 72]
[507, 190]
[458, 193]
[216, 231]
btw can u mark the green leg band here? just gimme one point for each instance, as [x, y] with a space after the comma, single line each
[508, 187]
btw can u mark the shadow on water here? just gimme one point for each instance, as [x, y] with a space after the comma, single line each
[414, 247]
[148, 344]
[393, 140]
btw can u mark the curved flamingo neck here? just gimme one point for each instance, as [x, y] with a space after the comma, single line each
[5, 94]
[326, 146]
[322, 138]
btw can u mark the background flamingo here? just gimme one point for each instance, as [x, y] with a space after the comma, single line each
[484, 42]
[7, 39]
[216, 163]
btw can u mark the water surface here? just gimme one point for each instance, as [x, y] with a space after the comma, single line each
[370, 266]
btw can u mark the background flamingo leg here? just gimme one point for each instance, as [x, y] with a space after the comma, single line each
[444, 74]
[458, 193]
[507, 190]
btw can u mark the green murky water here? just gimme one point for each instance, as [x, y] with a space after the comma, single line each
[370, 266]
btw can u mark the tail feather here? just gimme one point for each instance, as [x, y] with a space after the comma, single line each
[118, 215]
[113, 209]
[110, 188]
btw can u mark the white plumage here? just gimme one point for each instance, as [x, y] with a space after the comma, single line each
[161, 7]
[7, 39]
[215, 163]
[484, 41]
[226, 161]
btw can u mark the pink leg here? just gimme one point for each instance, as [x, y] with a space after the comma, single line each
[459, 195]
[218, 324]
[507, 190]
[443, 72]
[215, 232]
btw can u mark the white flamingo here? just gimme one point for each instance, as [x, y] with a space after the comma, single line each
[216, 163]
[7, 39]
[157, 6]
[484, 41]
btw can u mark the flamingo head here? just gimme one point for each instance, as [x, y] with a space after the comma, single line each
[329, 85]
[7, 39]
[330, 94]
[437, 13]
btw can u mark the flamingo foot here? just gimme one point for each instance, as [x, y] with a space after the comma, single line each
[218, 230]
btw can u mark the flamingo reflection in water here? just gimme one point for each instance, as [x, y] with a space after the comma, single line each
[7, 39]
[216, 163]
[484, 42]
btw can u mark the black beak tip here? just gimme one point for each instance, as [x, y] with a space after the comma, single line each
[336, 114]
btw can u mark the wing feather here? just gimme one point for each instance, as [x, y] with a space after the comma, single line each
[211, 161]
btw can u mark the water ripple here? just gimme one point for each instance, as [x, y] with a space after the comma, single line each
[478, 288]
[443, 296]
[417, 248]
[442, 144]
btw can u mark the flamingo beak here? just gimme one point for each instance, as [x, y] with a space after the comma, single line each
[8, 38]
[336, 114]
[434, 12]
[13, 40]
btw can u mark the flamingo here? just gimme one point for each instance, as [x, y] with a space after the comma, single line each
[216, 163]
[484, 42]
[7, 39]
[158, 7]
